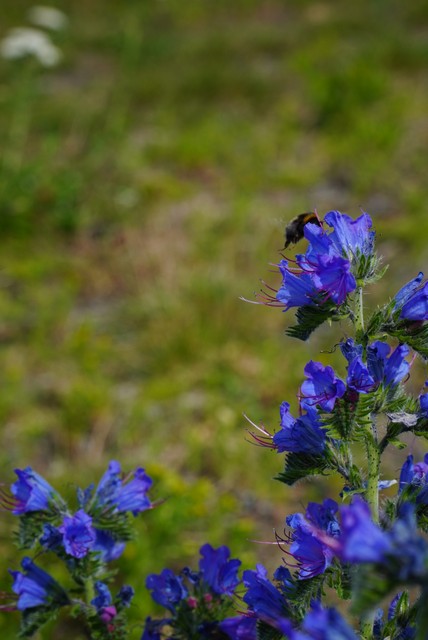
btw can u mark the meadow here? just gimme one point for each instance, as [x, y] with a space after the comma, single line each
[145, 182]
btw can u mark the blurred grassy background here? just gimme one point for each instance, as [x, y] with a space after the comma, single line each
[144, 186]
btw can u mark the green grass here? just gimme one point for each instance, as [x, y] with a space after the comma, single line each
[144, 186]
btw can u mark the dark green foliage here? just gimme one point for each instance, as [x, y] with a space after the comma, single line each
[415, 334]
[310, 318]
[266, 632]
[30, 529]
[33, 619]
[301, 465]
[305, 591]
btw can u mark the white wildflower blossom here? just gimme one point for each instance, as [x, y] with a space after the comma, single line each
[24, 41]
[47, 17]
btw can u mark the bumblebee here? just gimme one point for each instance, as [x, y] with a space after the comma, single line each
[294, 231]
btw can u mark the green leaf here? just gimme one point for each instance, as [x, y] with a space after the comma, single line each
[301, 465]
[310, 317]
[266, 632]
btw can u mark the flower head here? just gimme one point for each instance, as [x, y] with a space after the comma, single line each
[129, 495]
[218, 571]
[167, 589]
[265, 600]
[36, 588]
[240, 627]
[385, 368]
[322, 386]
[301, 435]
[413, 300]
[326, 624]
[307, 546]
[31, 492]
[78, 534]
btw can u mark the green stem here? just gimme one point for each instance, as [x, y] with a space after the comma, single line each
[373, 458]
[373, 470]
[359, 311]
[89, 590]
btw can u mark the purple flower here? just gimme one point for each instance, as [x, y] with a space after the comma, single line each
[218, 571]
[332, 276]
[36, 588]
[307, 547]
[322, 387]
[303, 435]
[326, 624]
[413, 474]
[240, 628]
[423, 403]
[78, 534]
[167, 589]
[387, 370]
[132, 495]
[125, 595]
[350, 350]
[153, 629]
[359, 377]
[103, 599]
[297, 289]
[408, 557]
[109, 484]
[51, 538]
[128, 495]
[108, 547]
[416, 305]
[407, 291]
[265, 600]
[350, 237]
[361, 540]
[32, 493]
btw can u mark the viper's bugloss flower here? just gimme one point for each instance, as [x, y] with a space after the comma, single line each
[332, 277]
[125, 596]
[108, 547]
[359, 377]
[361, 540]
[132, 495]
[351, 237]
[322, 386]
[407, 291]
[384, 368]
[415, 306]
[408, 558]
[167, 589]
[129, 495]
[265, 600]
[52, 537]
[301, 435]
[103, 597]
[240, 628]
[297, 288]
[31, 493]
[153, 629]
[36, 588]
[78, 534]
[326, 624]
[350, 350]
[307, 546]
[218, 571]
[413, 474]
[423, 404]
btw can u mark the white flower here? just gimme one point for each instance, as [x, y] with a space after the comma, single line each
[23, 41]
[47, 17]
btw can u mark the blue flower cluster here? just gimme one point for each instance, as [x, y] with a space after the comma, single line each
[196, 600]
[96, 532]
[365, 549]
[331, 265]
